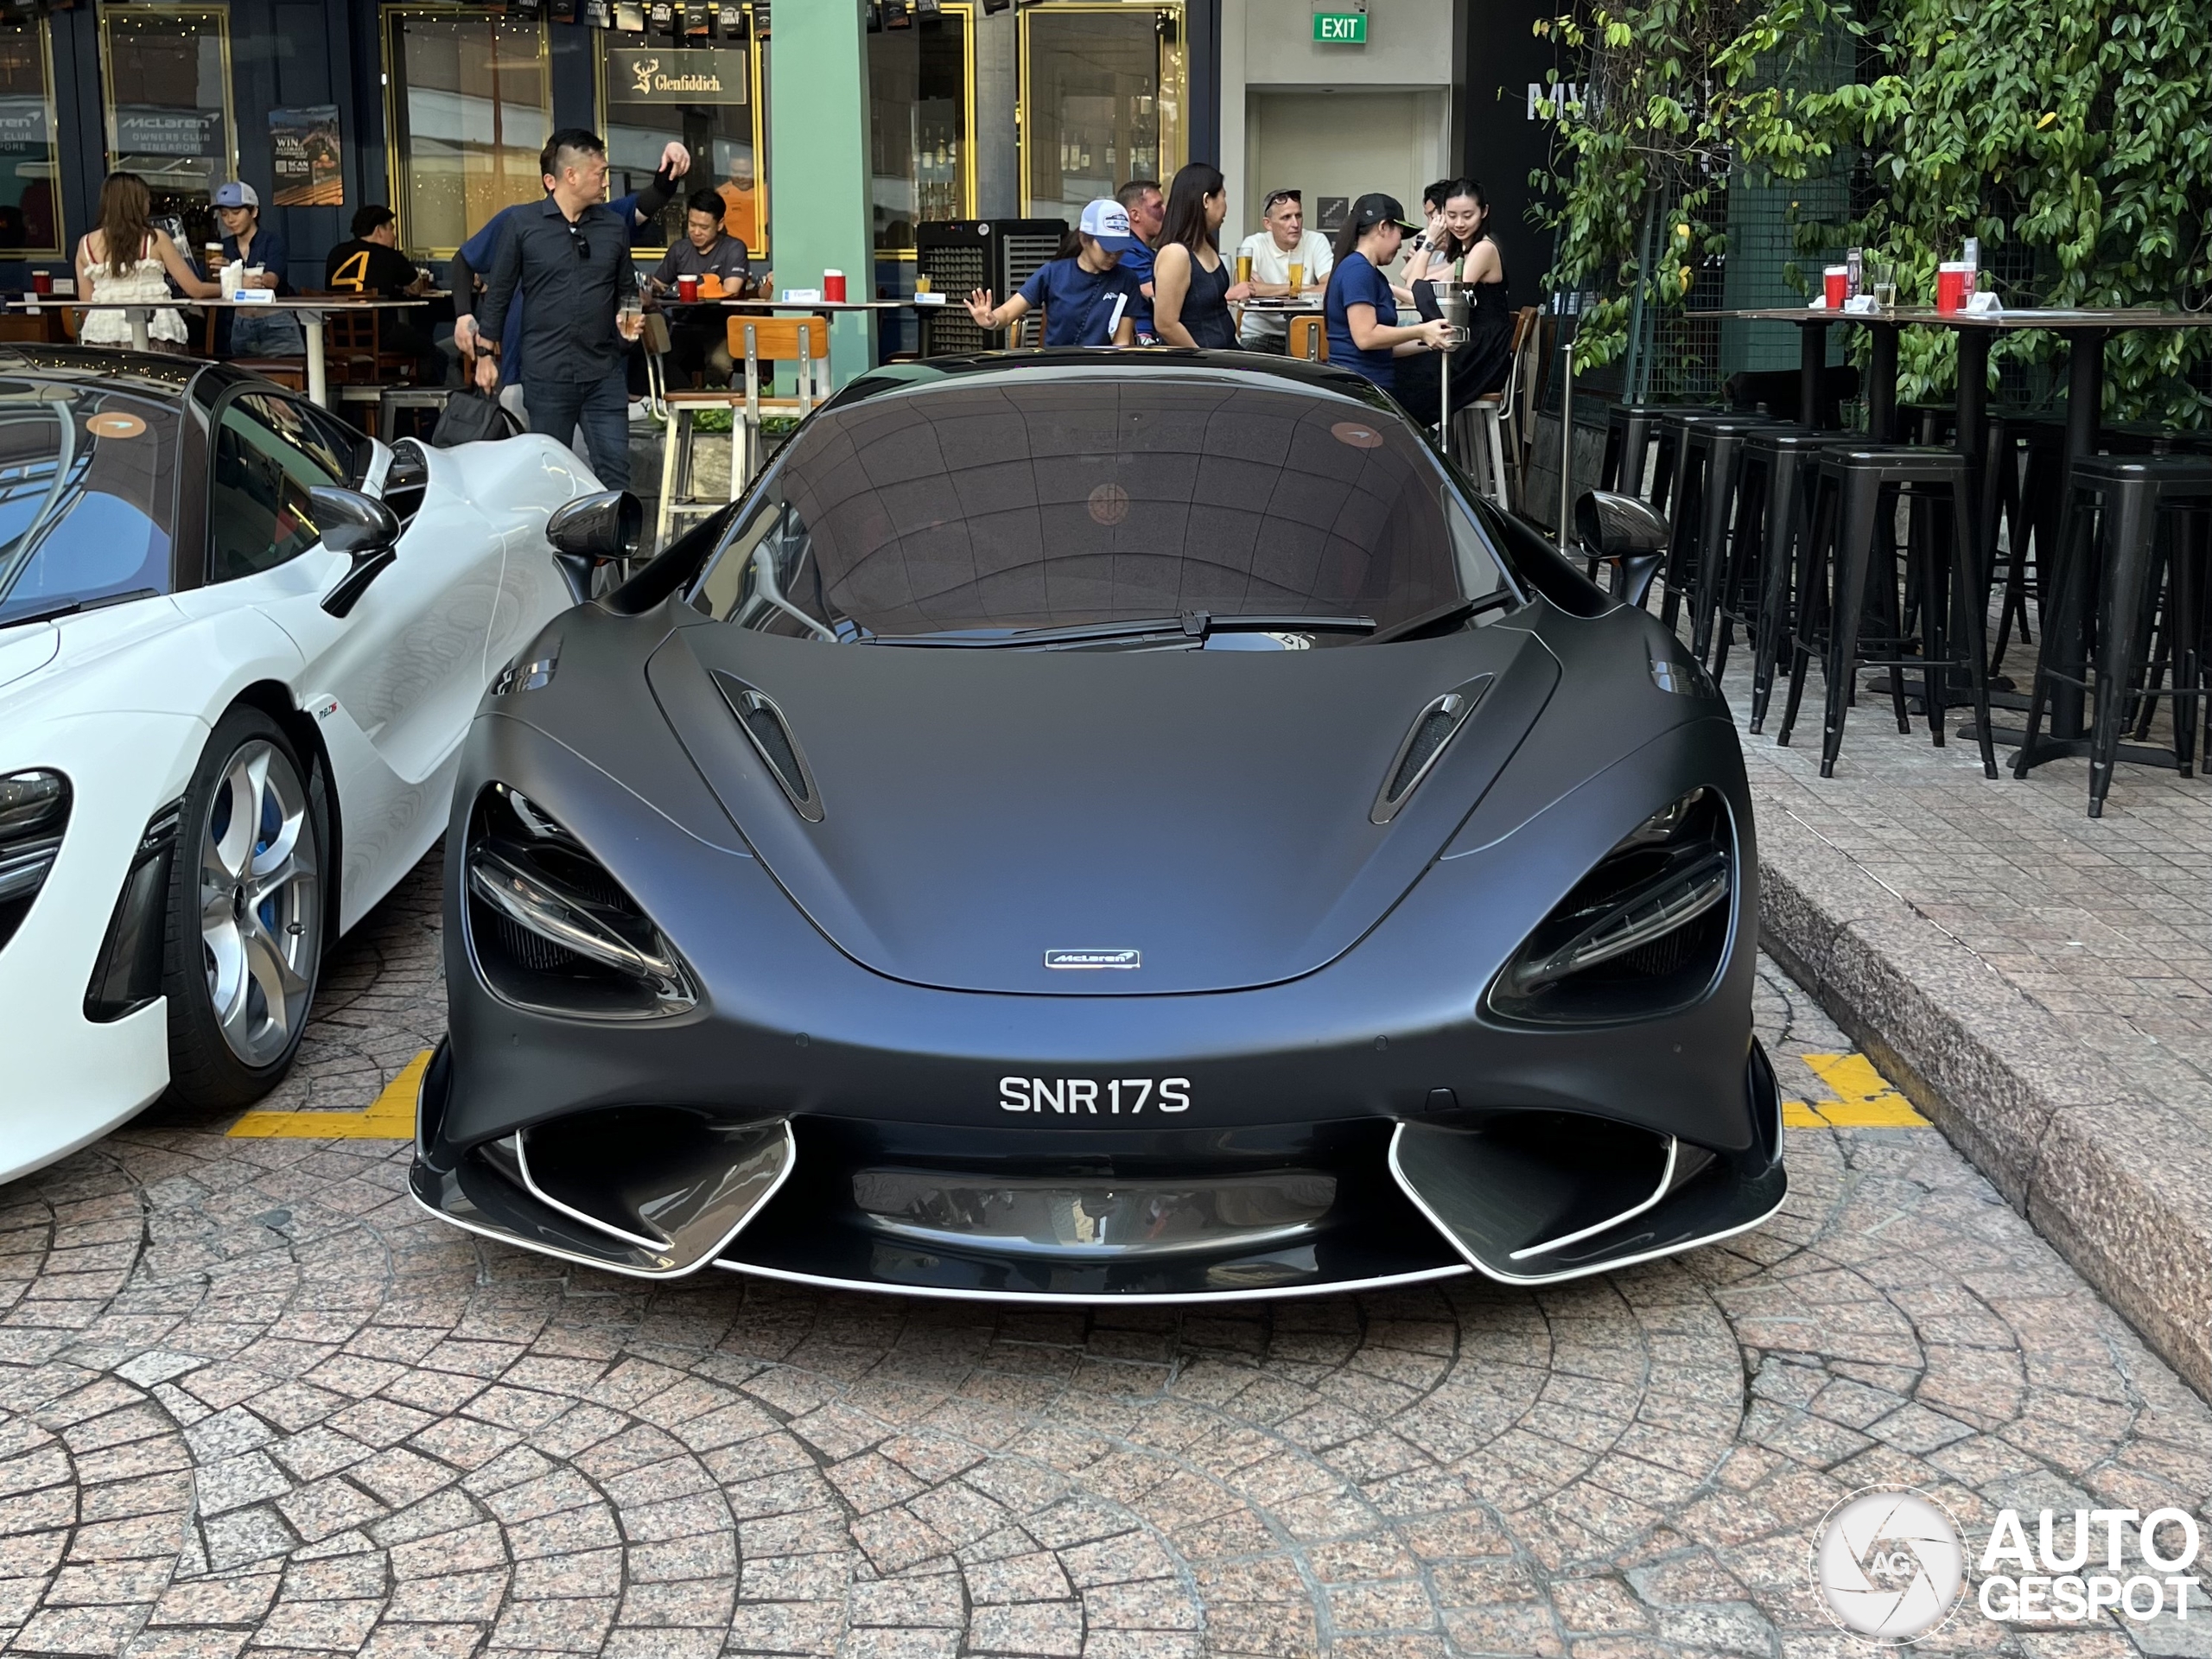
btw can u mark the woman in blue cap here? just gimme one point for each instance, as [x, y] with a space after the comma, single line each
[254, 334]
[1084, 294]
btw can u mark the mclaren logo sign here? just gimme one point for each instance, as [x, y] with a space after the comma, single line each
[1094, 958]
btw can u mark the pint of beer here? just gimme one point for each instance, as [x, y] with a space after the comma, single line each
[1297, 277]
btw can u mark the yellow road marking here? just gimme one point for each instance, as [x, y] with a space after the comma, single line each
[391, 1116]
[1864, 1098]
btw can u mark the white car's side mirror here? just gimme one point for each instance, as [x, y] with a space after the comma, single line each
[363, 529]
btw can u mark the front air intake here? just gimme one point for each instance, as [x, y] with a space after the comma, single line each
[1422, 744]
[771, 735]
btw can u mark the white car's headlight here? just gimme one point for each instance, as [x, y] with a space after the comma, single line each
[34, 811]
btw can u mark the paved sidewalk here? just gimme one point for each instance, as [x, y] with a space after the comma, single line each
[2040, 983]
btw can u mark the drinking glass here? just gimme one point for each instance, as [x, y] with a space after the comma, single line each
[1243, 267]
[1297, 277]
[1882, 279]
[630, 317]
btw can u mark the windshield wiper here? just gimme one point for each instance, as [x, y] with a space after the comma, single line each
[1191, 624]
[71, 607]
[1442, 619]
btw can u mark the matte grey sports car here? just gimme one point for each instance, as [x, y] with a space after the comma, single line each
[1109, 827]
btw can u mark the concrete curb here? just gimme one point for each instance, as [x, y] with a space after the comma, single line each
[2121, 1185]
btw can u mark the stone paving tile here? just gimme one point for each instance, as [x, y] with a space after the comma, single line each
[335, 1428]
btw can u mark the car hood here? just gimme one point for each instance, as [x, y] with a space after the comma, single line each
[1208, 809]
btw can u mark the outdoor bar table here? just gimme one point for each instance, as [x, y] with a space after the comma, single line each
[310, 312]
[2086, 330]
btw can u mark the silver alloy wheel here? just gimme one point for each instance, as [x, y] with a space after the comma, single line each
[260, 904]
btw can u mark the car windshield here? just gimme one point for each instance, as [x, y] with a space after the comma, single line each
[1122, 510]
[87, 488]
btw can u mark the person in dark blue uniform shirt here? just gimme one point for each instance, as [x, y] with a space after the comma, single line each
[1087, 298]
[1360, 297]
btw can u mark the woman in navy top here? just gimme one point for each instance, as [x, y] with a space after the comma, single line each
[1191, 286]
[1086, 297]
[1360, 296]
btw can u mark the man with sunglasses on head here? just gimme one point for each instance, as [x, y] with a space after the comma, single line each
[1286, 241]
[553, 273]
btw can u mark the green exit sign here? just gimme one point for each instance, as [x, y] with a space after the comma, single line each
[1340, 28]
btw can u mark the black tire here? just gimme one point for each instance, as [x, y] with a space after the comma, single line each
[226, 976]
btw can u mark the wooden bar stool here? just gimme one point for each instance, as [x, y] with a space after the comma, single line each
[754, 340]
[1309, 339]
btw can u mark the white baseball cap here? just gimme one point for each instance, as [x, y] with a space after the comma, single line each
[1107, 223]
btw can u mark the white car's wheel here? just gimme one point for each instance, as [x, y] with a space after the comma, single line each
[245, 915]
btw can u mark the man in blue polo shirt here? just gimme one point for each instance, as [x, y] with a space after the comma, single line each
[1147, 210]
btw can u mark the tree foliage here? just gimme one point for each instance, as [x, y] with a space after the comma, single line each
[2069, 134]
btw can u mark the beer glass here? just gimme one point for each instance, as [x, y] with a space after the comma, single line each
[1297, 277]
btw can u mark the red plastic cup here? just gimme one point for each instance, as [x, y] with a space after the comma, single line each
[1951, 287]
[833, 284]
[687, 289]
[42, 281]
[1836, 286]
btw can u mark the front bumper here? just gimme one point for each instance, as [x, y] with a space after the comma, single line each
[1528, 1198]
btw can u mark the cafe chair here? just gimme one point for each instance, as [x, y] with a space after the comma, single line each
[1309, 340]
[1479, 430]
[1848, 606]
[754, 340]
[2136, 525]
[290, 373]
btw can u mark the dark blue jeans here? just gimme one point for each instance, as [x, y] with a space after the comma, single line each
[601, 407]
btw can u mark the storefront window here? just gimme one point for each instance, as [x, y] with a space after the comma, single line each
[921, 82]
[469, 99]
[30, 211]
[1102, 95]
[705, 94]
[165, 77]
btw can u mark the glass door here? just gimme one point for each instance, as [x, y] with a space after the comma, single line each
[922, 87]
[30, 204]
[468, 99]
[165, 82]
[1103, 90]
[706, 94]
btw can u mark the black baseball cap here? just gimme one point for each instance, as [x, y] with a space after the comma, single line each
[1376, 208]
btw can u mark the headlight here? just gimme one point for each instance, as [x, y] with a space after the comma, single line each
[34, 811]
[1642, 934]
[550, 929]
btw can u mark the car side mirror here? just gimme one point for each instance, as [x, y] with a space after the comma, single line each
[363, 529]
[1628, 534]
[591, 531]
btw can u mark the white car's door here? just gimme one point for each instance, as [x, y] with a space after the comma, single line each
[391, 684]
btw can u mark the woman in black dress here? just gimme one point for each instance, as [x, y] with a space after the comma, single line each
[1462, 252]
[1192, 288]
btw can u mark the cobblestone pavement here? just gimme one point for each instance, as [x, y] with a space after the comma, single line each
[251, 1398]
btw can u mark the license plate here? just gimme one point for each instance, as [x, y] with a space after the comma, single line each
[1095, 1097]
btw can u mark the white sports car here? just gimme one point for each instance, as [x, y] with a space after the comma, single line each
[239, 646]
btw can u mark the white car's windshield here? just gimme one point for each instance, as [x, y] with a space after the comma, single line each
[1117, 511]
[87, 497]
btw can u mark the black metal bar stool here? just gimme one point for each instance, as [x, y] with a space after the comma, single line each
[1857, 491]
[1666, 476]
[1706, 448]
[2113, 549]
[1631, 430]
[1697, 556]
[1773, 499]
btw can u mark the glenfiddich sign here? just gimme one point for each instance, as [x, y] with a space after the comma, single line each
[689, 76]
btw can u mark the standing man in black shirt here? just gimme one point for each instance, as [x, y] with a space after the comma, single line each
[569, 260]
[371, 264]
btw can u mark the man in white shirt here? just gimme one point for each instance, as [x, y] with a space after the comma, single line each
[1286, 241]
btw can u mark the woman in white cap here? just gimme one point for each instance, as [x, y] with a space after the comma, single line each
[255, 333]
[127, 259]
[1085, 295]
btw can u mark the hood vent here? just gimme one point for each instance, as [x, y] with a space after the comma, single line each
[772, 736]
[1434, 727]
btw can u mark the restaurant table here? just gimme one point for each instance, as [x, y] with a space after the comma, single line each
[2085, 330]
[309, 311]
